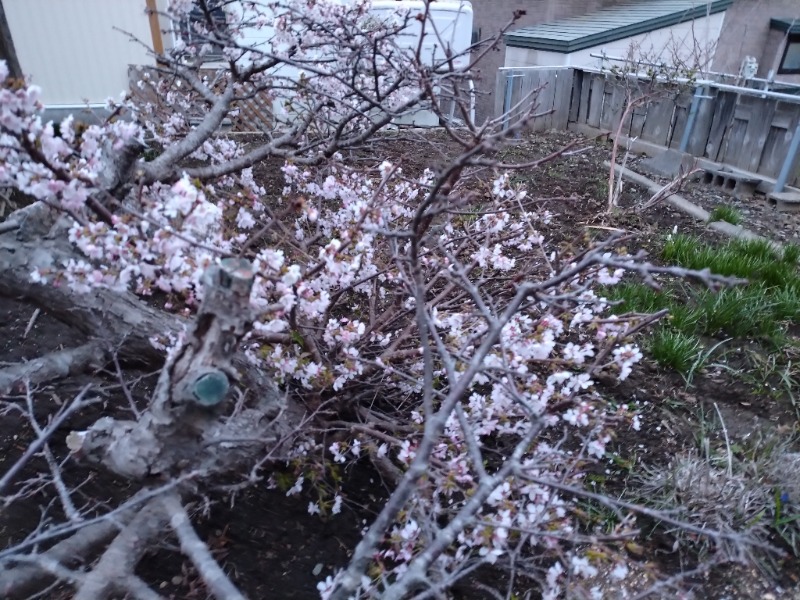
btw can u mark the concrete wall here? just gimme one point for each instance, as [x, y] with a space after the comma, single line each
[661, 44]
[746, 32]
[492, 15]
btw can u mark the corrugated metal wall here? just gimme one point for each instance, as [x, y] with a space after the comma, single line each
[70, 47]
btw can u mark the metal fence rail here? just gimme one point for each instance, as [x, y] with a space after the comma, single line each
[750, 129]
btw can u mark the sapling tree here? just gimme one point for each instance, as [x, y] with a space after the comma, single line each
[424, 317]
[649, 74]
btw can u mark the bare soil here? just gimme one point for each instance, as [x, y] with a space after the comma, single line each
[269, 543]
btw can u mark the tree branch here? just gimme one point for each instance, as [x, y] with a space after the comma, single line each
[56, 365]
[120, 559]
[197, 551]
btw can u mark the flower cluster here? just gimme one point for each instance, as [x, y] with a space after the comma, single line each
[315, 296]
[59, 165]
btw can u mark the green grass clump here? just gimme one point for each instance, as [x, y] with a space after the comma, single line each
[744, 312]
[791, 254]
[760, 308]
[685, 318]
[675, 349]
[754, 260]
[786, 303]
[726, 213]
[758, 248]
[634, 296]
[679, 248]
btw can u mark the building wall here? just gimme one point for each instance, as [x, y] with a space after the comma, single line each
[682, 40]
[746, 32]
[492, 15]
[71, 50]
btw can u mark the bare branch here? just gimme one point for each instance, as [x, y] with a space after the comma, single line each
[77, 403]
[191, 545]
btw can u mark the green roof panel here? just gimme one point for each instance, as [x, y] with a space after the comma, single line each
[787, 25]
[612, 24]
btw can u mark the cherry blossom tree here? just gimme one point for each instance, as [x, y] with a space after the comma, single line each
[276, 319]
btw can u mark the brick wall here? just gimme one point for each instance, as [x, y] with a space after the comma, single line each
[492, 15]
[746, 32]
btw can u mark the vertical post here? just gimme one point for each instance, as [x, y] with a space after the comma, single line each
[507, 98]
[471, 100]
[788, 162]
[687, 132]
[155, 28]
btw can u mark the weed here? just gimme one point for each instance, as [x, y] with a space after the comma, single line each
[774, 375]
[601, 188]
[723, 212]
[751, 491]
[596, 516]
[702, 360]
[761, 309]
[775, 273]
[748, 259]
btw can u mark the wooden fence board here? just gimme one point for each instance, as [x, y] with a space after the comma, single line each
[562, 97]
[755, 136]
[680, 118]
[519, 97]
[723, 116]
[619, 97]
[576, 97]
[658, 121]
[782, 129]
[596, 100]
[734, 137]
[698, 138]
[637, 121]
[529, 93]
[501, 92]
[586, 94]
[607, 114]
[547, 93]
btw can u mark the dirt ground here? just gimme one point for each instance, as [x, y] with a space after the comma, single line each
[270, 544]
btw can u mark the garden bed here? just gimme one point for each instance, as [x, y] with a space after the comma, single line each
[741, 394]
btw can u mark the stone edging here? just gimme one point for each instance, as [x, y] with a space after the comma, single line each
[699, 213]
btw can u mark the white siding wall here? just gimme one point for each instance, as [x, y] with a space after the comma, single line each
[70, 47]
[658, 43]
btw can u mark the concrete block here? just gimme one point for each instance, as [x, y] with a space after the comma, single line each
[738, 185]
[785, 201]
[670, 163]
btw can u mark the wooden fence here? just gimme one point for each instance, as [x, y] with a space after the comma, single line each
[737, 127]
[251, 114]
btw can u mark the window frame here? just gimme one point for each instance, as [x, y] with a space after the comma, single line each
[791, 39]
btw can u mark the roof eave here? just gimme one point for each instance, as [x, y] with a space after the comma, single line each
[515, 39]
